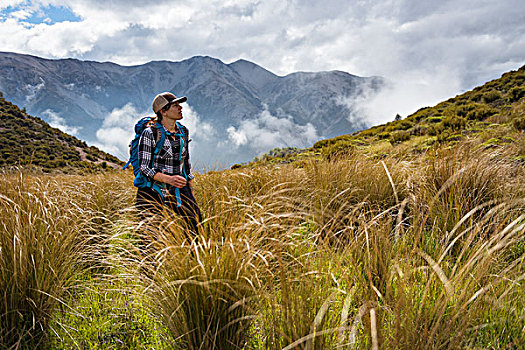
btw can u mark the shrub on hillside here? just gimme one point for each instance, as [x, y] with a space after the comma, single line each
[462, 110]
[434, 130]
[283, 152]
[421, 113]
[519, 123]
[516, 93]
[434, 119]
[491, 96]
[372, 131]
[443, 136]
[454, 123]
[399, 136]
[383, 135]
[399, 125]
[418, 130]
[324, 143]
[476, 96]
[404, 125]
[481, 113]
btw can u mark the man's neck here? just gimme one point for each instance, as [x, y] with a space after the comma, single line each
[169, 124]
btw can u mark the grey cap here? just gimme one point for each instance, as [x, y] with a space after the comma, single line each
[163, 99]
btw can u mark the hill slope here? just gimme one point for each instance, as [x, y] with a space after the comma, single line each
[27, 140]
[491, 115]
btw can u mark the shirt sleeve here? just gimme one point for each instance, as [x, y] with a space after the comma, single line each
[146, 146]
[187, 162]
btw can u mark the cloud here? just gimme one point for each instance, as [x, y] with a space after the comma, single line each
[403, 95]
[428, 50]
[31, 90]
[305, 35]
[117, 131]
[200, 130]
[267, 131]
[56, 121]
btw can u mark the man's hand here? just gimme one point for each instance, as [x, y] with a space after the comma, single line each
[173, 180]
[176, 181]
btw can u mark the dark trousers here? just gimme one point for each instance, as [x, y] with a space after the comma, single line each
[149, 203]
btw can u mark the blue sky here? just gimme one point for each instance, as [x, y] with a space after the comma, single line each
[429, 50]
[46, 14]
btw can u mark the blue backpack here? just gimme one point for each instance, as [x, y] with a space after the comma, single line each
[140, 180]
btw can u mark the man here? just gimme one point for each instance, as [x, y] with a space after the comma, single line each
[170, 169]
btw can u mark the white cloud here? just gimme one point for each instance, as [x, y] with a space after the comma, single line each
[403, 95]
[31, 90]
[9, 3]
[21, 15]
[58, 122]
[117, 131]
[267, 131]
[200, 130]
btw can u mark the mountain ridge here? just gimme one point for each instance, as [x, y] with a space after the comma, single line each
[222, 97]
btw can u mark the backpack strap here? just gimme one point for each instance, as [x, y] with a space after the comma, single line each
[182, 138]
[127, 164]
[160, 136]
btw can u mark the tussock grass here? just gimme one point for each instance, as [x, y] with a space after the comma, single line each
[107, 313]
[424, 252]
[204, 288]
[421, 251]
[52, 231]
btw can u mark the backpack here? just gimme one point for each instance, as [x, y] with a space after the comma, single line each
[140, 180]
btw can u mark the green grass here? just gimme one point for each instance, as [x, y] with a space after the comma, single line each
[107, 313]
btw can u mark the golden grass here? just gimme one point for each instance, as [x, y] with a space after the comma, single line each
[405, 252]
[52, 231]
[423, 253]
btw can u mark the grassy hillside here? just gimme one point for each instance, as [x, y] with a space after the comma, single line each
[30, 142]
[492, 115]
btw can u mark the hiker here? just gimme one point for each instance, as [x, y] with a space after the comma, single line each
[169, 171]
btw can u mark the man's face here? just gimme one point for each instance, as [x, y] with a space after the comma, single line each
[174, 111]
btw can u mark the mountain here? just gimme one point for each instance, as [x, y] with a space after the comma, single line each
[29, 141]
[235, 111]
[489, 116]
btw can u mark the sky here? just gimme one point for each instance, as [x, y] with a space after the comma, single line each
[427, 50]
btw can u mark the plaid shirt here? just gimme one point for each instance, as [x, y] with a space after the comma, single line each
[167, 161]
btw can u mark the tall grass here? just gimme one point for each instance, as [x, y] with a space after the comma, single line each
[205, 289]
[419, 251]
[357, 252]
[51, 233]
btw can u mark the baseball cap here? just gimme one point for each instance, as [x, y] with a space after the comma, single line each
[163, 99]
